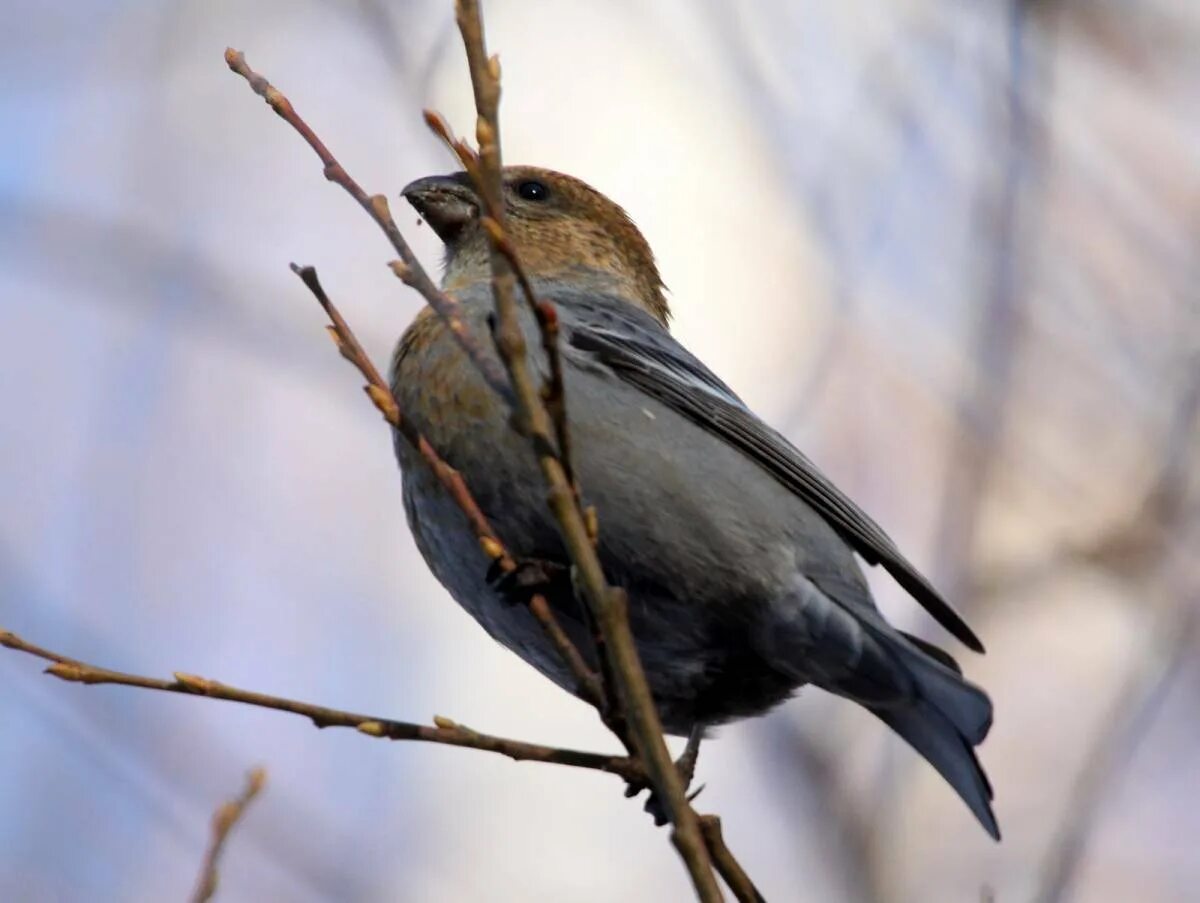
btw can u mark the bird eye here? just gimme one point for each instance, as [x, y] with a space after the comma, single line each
[533, 190]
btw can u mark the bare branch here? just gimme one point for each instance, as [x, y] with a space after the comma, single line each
[444, 731]
[608, 604]
[226, 816]
[553, 394]
[384, 400]
[411, 273]
[543, 416]
[731, 871]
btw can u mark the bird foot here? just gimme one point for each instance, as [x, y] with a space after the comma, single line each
[686, 766]
[530, 577]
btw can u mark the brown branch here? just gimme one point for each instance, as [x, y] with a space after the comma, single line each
[226, 816]
[544, 418]
[444, 731]
[553, 394]
[731, 871]
[409, 269]
[590, 685]
[608, 604]
[381, 396]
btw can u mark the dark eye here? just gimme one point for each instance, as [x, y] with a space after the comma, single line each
[533, 190]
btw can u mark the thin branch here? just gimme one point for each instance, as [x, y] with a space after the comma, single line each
[384, 400]
[226, 816]
[608, 604]
[444, 731]
[544, 418]
[381, 396]
[731, 871]
[591, 688]
[553, 394]
[409, 269]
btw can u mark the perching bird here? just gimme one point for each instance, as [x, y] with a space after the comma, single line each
[737, 553]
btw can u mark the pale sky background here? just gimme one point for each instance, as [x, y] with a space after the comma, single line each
[949, 248]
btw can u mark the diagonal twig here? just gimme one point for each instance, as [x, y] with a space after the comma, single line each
[381, 396]
[409, 268]
[725, 863]
[227, 815]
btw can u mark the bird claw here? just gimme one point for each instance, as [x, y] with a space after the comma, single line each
[686, 766]
[530, 577]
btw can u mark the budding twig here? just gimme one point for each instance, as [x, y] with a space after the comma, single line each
[608, 604]
[412, 273]
[444, 731]
[731, 870]
[553, 394]
[409, 270]
[381, 396]
[227, 815]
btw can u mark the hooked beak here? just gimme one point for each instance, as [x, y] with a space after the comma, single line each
[447, 203]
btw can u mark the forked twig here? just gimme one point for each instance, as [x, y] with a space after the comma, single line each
[409, 269]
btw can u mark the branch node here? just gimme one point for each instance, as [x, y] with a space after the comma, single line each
[379, 205]
[67, 671]
[192, 683]
[278, 102]
[383, 400]
[485, 134]
[492, 548]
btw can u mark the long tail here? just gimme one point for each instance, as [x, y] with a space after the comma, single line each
[946, 720]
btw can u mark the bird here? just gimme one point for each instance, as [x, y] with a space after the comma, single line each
[738, 555]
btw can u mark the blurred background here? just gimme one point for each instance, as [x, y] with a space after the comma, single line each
[950, 248]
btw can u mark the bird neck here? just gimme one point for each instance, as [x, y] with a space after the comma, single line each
[575, 279]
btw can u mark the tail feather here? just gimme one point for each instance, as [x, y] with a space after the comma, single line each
[935, 737]
[935, 651]
[963, 704]
[946, 718]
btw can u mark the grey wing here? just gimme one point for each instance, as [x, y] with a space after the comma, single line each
[648, 357]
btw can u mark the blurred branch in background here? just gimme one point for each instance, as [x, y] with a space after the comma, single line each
[1129, 718]
[1071, 287]
[1010, 221]
[1145, 552]
[226, 816]
[813, 792]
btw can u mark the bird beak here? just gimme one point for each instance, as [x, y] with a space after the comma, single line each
[447, 203]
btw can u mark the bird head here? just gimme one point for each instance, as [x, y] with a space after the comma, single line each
[561, 228]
